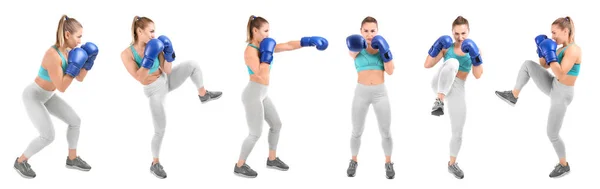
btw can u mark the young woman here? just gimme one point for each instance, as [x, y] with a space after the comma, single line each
[149, 60]
[62, 63]
[448, 83]
[564, 63]
[372, 57]
[258, 57]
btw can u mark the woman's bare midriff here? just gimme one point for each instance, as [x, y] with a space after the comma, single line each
[569, 80]
[370, 77]
[46, 85]
[462, 75]
[263, 74]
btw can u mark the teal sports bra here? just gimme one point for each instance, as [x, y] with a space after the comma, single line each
[43, 73]
[464, 61]
[366, 61]
[139, 59]
[575, 69]
[250, 70]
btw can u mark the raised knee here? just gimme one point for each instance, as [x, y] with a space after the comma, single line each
[528, 63]
[453, 63]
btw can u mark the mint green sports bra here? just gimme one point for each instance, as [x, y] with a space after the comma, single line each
[464, 61]
[366, 61]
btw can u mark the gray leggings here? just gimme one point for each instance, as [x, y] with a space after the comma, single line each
[40, 104]
[364, 96]
[560, 98]
[446, 82]
[259, 106]
[157, 91]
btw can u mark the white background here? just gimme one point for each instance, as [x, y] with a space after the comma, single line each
[503, 146]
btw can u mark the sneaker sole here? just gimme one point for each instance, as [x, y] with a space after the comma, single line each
[157, 175]
[77, 168]
[244, 176]
[455, 175]
[438, 112]
[22, 175]
[392, 177]
[211, 99]
[505, 100]
[561, 175]
[277, 168]
[351, 175]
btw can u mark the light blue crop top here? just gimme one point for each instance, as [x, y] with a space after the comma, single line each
[139, 59]
[367, 61]
[464, 61]
[575, 69]
[43, 73]
[250, 70]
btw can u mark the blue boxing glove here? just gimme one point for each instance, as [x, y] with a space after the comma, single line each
[77, 58]
[356, 43]
[444, 42]
[379, 43]
[267, 47]
[469, 46]
[168, 50]
[153, 48]
[92, 50]
[320, 42]
[538, 40]
[548, 49]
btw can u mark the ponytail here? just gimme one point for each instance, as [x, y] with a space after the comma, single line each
[571, 30]
[60, 32]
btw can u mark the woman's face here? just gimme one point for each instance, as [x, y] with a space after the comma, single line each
[146, 34]
[460, 33]
[368, 31]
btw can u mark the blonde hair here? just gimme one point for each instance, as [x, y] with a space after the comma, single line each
[138, 22]
[566, 22]
[66, 24]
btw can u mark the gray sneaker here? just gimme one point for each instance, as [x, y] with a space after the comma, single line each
[389, 171]
[438, 108]
[244, 171]
[277, 164]
[78, 164]
[158, 171]
[560, 171]
[456, 171]
[507, 96]
[24, 169]
[352, 168]
[210, 95]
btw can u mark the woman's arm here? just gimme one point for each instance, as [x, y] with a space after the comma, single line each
[166, 66]
[571, 55]
[134, 70]
[289, 46]
[389, 67]
[251, 59]
[432, 61]
[53, 64]
[81, 75]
